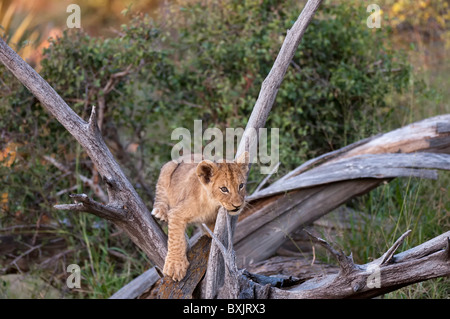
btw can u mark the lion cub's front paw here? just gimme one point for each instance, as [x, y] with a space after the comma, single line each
[176, 268]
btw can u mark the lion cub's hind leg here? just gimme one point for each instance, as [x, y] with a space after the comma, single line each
[161, 206]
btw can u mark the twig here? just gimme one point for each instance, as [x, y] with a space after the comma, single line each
[55, 257]
[264, 181]
[346, 263]
[67, 190]
[33, 226]
[214, 237]
[228, 253]
[87, 204]
[95, 187]
[14, 262]
[110, 84]
[106, 89]
[33, 248]
[389, 255]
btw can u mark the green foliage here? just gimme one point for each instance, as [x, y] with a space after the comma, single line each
[208, 62]
[332, 95]
[211, 65]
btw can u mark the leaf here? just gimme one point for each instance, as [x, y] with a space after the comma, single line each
[8, 154]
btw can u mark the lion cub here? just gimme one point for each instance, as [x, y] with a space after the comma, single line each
[193, 193]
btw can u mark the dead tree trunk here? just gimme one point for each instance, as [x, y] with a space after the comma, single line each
[317, 187]
[387, 273]
[302, 196]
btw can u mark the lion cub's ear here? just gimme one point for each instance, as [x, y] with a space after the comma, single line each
[244, 160]
[205, 171]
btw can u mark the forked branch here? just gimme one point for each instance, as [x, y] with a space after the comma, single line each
[139, 225]
[383, 275]
[86, 204]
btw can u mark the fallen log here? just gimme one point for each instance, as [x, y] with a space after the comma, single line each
[320, 185]
[387, 273]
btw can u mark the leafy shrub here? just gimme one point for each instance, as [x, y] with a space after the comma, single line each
[333, 94]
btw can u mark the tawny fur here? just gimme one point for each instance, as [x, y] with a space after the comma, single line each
[193, 193]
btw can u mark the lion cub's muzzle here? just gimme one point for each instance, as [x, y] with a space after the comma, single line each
[235, 211]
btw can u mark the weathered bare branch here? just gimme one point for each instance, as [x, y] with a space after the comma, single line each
[140, 226]
[346, 263]
[353, 281]
[375, 278]
[261, 109]
[389, 255]
[265, 180]
[380, 166]
[86, 204]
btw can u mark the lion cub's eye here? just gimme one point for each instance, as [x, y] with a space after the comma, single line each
[241, 185]
[224, 189]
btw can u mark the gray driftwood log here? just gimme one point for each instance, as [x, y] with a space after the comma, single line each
[320, 185]
[387, 273]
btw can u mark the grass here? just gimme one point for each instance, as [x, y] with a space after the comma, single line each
[424, 208]
[420, 205]
[388, 211]
[108, 260]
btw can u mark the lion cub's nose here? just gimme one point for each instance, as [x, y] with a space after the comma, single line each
[236, 208]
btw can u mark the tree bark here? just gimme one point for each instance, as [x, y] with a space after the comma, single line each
[388, 273]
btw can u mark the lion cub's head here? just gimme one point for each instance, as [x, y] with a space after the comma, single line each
[225, 181]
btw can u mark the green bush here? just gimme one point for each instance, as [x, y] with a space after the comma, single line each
[333, 94]
[208, 62]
